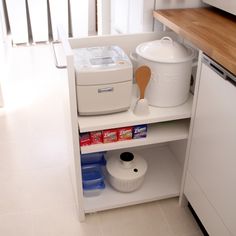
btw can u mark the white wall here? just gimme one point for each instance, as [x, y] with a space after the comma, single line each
[3, 34]
[92, 17]
[131, 16]
[104, 16]
[168, 4]
[173, 4]
[3, 29]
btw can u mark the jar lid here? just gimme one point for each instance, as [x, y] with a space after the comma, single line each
[165, 50]
[121, 170]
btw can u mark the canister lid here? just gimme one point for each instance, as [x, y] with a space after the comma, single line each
[165, 50]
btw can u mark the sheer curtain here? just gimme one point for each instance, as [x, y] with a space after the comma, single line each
[33, 21]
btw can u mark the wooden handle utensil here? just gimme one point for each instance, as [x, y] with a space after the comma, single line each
[142, 76]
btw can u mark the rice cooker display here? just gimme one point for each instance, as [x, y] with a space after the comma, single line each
[101, 61]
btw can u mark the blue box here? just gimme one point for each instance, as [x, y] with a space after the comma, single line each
[139, 131]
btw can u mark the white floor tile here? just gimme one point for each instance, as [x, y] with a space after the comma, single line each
[63, 221]
[15, 194]
[145, 219]
[179, 219]
[51, 188]
[56, 221]
[157, 221]
[16, 225]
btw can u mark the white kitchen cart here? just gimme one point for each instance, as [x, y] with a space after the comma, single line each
[164, 148]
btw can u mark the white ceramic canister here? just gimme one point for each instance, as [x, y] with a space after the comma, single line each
[126, 172]
[171, 66]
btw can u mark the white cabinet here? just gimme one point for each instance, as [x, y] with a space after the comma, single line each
[164, 148]
[164, 173]
[211, 178]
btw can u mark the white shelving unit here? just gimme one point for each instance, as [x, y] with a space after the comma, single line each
[163, 178]
[157, 133]
[162, 181]
[168, 126]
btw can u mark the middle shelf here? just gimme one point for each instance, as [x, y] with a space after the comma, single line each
[157, 133]
[128, 118]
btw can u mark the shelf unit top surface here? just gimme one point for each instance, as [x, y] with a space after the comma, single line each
[128, 118]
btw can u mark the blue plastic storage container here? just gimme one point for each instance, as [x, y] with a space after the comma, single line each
[93, 158]
[95, 191]
[93, 180]
[91, 175]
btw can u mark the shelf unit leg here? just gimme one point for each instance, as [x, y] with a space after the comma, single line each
[183, 201]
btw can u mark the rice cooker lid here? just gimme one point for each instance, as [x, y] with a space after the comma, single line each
[165, 50]
[132, 170]
[101, 65]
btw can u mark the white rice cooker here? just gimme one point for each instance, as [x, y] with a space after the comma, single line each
[171, 66]
[126, 172]
[104, 80]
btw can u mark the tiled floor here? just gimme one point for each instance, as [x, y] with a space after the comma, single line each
[36, 197]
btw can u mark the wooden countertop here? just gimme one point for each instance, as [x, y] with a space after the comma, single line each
[211, 30]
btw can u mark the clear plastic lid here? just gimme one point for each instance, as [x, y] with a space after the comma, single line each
[99, 57]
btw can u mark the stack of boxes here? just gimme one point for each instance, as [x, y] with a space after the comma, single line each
[113, 135]
[92, 173]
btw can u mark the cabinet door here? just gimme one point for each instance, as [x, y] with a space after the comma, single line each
[213, 151]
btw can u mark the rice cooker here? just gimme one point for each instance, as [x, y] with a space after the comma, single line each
[103, 80]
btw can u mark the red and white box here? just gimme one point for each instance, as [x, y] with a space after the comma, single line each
[96, 137]
[109, 136]
[85, 139]
[124, 133]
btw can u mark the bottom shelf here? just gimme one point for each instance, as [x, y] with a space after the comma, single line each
[162, 181]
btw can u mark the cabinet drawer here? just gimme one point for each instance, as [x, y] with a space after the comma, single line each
[104, 99]
[205, 211]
